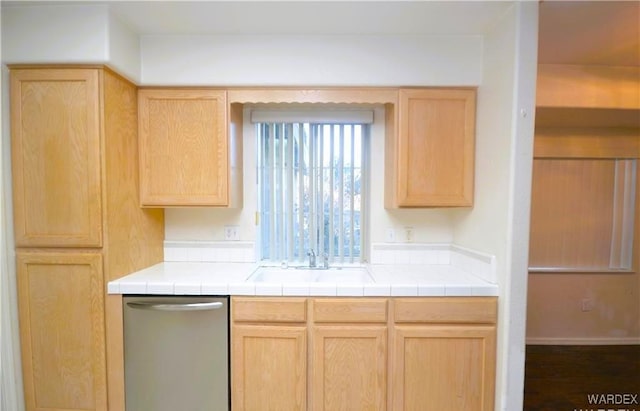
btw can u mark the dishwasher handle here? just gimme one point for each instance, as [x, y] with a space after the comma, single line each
[156, 306]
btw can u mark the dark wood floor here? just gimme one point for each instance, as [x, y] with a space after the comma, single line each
[560, 378]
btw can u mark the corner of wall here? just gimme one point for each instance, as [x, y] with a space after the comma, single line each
[123, 47]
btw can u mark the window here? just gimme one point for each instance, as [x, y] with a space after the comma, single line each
[582, 214]
[312, 178]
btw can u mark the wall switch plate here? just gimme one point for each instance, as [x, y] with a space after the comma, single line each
[391, 235]
[231, 233]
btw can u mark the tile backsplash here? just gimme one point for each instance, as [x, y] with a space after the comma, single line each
[391, 253]
[479, 264]
[210, 251]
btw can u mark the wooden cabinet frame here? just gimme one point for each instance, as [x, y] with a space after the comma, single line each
[56, 116]
[430, 148]
[190, 148]
[338, 332]
[276, 350]
[349, 367]
[461, 359]
[64, 363]
[78, 224]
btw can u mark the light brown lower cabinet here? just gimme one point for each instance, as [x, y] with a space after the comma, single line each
[62, 330]
[326, 354]
[269, 370]
[349, 367]
[268, 354]
[348, 354]
[443, 367]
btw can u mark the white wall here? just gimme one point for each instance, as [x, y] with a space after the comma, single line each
[514, 301]
[55, 34]
[124, 50]
[499, 221]
[69, 34]
[484, 228]
[312, 60]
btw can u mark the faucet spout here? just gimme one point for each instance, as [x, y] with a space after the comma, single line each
[312, 258]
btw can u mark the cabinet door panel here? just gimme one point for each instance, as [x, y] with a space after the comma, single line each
[60, 299]
[349, 368]
[269, 368]
[55, 131]
[435, 147]
[183, 147]
[444, 368]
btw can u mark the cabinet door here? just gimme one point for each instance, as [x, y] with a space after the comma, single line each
[440, 367]
[435, 148]
[349, 368]
[60, 300]
[184, 156]
[349, 353]
[269, 368]
[55, 130]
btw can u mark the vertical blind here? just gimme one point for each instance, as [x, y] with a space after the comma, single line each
[312, 184]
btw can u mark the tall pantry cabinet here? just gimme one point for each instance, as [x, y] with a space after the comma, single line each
[78, 225]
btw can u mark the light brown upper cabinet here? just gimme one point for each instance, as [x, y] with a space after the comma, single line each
[430, 148]
[188, 150]
[55, 129]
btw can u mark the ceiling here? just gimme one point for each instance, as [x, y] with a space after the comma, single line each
[570, 32]
[185, 17]
[589, 32]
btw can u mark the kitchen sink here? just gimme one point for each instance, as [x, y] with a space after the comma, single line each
[311, 275]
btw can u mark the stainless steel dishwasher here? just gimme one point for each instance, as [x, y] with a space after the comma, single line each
[176, 353]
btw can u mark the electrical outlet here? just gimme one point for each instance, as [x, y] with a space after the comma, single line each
[408, 234]
[231, 233]
[587, 304]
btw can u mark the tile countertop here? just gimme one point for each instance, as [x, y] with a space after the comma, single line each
[213, 278]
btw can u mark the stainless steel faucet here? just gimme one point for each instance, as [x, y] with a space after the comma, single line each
[313, 263]
[312, 258]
